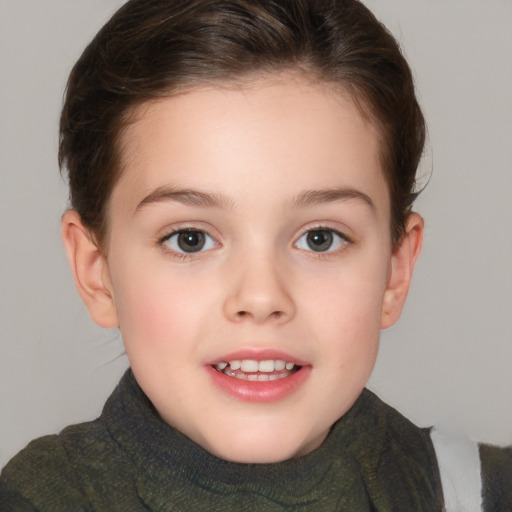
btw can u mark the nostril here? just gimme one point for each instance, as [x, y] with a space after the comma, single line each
[274, 314]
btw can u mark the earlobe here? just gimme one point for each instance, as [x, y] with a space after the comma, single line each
[403, 259]
[89, 269]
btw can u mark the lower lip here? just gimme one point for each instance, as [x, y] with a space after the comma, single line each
[254, 391]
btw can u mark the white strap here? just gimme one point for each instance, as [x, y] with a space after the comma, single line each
[459, 466]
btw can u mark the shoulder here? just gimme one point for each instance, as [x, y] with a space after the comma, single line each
[470, 476]
[85, 467]
[42, 476]
[474, 476]
[496, 467]
[55, 472]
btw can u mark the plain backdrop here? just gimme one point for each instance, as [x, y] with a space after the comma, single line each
[447, 362]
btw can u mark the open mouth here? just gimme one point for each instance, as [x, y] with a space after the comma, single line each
[262, 378]
[257, 371]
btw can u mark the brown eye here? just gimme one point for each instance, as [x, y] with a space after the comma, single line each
[321, 240]
[189, 241]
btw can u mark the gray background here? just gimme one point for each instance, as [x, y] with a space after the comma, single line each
[448, 361]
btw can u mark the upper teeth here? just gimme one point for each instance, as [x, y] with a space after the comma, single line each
[252, 366]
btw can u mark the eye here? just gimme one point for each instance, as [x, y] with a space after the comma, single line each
[321, 240]
[189, 241]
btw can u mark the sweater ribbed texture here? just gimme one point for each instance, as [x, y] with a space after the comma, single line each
[130, 460]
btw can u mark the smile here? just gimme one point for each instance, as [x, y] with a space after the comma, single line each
[263, 376]
[257, 371]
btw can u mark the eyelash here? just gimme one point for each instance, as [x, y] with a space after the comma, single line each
[343, 240]
[181, 254]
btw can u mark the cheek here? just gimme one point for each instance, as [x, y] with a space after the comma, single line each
[344, 311]
[348, 296]
[154, 307]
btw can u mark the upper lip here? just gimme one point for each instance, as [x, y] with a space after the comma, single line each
[258, 355]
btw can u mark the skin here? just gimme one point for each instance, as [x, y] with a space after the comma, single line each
[257, 285]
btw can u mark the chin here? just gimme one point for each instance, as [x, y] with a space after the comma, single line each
[258, 450]
[251, 456]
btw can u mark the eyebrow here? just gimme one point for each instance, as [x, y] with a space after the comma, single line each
[188, 197]
[197, 198]
[329, 195]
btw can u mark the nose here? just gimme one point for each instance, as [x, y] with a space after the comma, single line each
[259, 293]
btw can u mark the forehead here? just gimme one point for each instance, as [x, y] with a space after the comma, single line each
[300, 133]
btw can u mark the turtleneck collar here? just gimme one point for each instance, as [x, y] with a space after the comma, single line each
[354, 462]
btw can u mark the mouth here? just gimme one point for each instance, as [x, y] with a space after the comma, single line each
[257, 370]
[265, 376]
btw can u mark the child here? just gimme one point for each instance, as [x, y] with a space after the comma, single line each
[242, 175]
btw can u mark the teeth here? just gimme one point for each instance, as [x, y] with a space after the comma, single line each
[249, 365]
[279, 364]
[266, 366]
[253, 366]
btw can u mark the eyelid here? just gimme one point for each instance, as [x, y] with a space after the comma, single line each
[179, 226]
[326, 226]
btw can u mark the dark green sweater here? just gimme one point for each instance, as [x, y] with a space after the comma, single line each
[129, 460]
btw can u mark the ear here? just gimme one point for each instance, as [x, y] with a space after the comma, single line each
[90, 270]
[403, 259]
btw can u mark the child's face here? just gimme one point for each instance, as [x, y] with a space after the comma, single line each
[252, 224]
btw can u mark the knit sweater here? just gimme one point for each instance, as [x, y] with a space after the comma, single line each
[130, 460]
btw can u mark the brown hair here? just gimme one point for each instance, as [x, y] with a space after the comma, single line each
[155, 48]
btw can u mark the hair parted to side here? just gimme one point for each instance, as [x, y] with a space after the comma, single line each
[155, 48]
